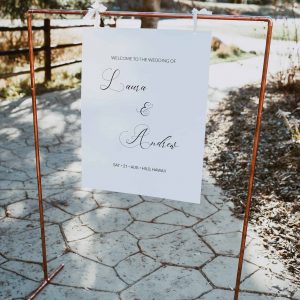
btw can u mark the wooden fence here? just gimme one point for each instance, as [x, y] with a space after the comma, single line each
[47, 48]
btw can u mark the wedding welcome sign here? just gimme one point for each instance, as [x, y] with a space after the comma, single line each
[144, 101]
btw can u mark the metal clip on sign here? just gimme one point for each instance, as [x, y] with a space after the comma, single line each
[196, 12]
[94, 12]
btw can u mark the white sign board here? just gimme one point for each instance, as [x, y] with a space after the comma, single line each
[144, 101]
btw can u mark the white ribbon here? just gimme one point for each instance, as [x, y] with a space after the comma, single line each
[94, 12]
[196, 12]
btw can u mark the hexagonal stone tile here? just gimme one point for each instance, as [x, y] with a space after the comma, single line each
[176, 218]
[135, 267]
[221, 222]
[54, 292]
[117, 200]
[256, 296]
[15, 286]
[11, 196]
[63, 161]
[29, 244]
[152, 199]
[168, 283]
[217, 294]
[6, 155]
[16, 148]
[209, 189]
[82, 272]
[265, 281]
[52, 214]
[108, 248]
[74, 139]
[74, 201]
[24, 208]
[206, 177]
[182, 247]
[226, 243]
[221, 271]
[11, 174]
[202, 210]
[256, 253]
[75, 229]
[11, 184]
[29, 270]
[2, 212]
[10, 226]
[144, 230]
[25, 162]
[45, 141]
[107, 219]
[47, 193]
[53, 121]
[57, 179]
[218, 201]
[147, 211]
[10, 133]
[2, 259]
[62, 148]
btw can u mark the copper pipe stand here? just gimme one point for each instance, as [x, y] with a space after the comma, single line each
[45, 282]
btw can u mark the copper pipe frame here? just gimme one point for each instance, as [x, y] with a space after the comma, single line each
[267, 20]
[47, 277]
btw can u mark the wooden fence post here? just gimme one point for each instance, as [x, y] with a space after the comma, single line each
[47, 51]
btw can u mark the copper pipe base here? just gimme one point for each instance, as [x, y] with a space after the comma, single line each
[45, 282]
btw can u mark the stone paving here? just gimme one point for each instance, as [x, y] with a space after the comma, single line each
[114, 246]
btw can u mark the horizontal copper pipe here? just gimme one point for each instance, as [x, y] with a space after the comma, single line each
[153, 14]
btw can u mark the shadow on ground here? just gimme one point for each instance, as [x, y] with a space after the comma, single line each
[275, 207]
[114, 246]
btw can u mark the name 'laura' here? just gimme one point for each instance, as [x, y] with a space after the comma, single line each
[139, 139]
[110, 76]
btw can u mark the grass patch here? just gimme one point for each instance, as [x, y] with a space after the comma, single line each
[16, 88]
[224, 53]
[217, 58]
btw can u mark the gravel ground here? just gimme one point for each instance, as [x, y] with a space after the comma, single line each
[276, 200]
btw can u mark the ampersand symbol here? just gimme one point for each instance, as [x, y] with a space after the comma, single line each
[145, 110]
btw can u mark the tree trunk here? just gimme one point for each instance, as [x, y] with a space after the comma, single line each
[151, 6]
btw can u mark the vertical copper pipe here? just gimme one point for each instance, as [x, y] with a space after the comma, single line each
[36, 144]
[254, 156]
